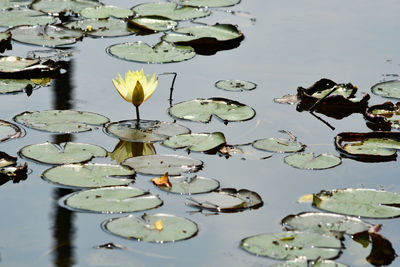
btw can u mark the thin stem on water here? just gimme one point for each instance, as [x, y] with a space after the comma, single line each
[137, 117]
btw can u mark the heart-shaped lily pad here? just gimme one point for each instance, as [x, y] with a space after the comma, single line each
[103, 12]
[115, 199]
[281, 145]
[289, 245]
[62, 154]
[143, 229]
[148, 131]
[160, 164]
[9, 130]
[235, 85]
[202, 109]
[206, 3]
[152, 23]
[56, 7]
[5, 41]
[61, 121]
[11, 18]
[125, 149]
[89, 175]
[170, 11]
[387, 89]
[309, 162]
[163, 52]
[359, 202]
[8, 86]
[190, 185]
[201, 142]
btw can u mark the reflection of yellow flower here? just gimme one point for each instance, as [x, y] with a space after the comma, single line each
[137, 87]
[125, 149]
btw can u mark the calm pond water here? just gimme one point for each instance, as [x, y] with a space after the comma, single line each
[290, 44]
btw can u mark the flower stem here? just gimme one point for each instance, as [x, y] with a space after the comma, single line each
[137, 117]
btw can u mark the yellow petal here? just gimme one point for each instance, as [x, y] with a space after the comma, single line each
[158, 225]
[122, 90]
[137, 95]
[305, 199]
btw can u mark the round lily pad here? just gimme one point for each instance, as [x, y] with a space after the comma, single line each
[102, 27]
[190, 185]
[163, 52]
[235, 85]
[89, 175]
[289, 245]
[374, 147]
[61, 121]
[170, 11]
[56, 7]
[142, 229]
[125, 149]
[309, 162]
[387, 89]
[206, 3]
[149, 131]
[11, 18]
[115, 199]
[8, 86]
[160, 164]
[103, 12]
[200, 142]
[11, 64]
[152, 23]
[202, 109]
[9, 130]
[362, 202]
[46, 35]
[280, 145]
[62, 154]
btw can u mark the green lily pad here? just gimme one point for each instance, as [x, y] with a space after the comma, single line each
[387, 89]
[149, 131]
[289, 245]
[116, 199]
[142, 229]
[202, 109]
[160, 164]
[200, 142]
[9, 130]
[170, 11]
[190, 185]
[57, 7]
[309, 162]
[326, 263]
[17, 17]
[324, 223]
[153, 23]
[227, 200]
[17, 67]
[235, 85]
[89, 175]
[280, 145]
[296, 262]
[62, 154]
[359, 202]
[7, 4]
[103, 12]
[163, 52]
[8, 86]
[207, 3]
[245, 151]
[102, 27]
[61, 121]
[383, 117]
[374, 146]
[46, 35]
[11, 64]
[5, 41]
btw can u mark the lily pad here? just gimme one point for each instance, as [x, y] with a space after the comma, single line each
[160, 164]
[289, 245]
[202, 109]
[245, 151]
[7, 4]
[327, 263]
[17, 17]
[62, 154]
[5, 41]
[190, 185]
[102, 27]
[296, 262]
[170, 11]
[116, 199]
[235, 85]
[201, 142]
[387, 89]
[383, 117]
[125, 149]
[11, 64]
[8, 86]
[149, 131]
[309, 162]
[280, 145]
[103, 12]
[142, 229]
[359, 202]
[57, 7]
[46, 35]
[89, 175]
[324, 223]
[61, 121]
[163, 52]
[9, 130]
[227, 200]
[7, 160]
[152, 23]
[207, 3]
[17, 67]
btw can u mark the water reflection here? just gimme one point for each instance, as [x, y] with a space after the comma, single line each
[125, 149]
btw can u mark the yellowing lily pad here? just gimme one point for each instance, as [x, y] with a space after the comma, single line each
[387, 89]
[190, 185]
[57, 7]
[201, 142]
[309, 162]
[16, 17]
[152, 23]
[102, 27]
[235, 85]
[103, 12]
[207, 3]
[8, 86]
[9, 130]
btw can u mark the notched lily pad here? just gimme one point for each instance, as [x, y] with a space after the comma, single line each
[65, 153]
[160, 164]
[89, 175]
[200, 142]
[59, 7]
[115, 199]
[103, 12]
[280, 145]
[152, 23]
[143, 229]
[206, 3]
[9, 130]
[202, 110]
[17, 17]
[61, 121]
[102, 27]
[235, 85]
[387, 89]
[189, 185]
[383, 117]
[5, 41]
[309, 162]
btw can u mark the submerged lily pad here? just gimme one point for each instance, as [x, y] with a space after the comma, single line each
[170, 11]
[206, 3]
[9, 130]
[160, 164]
[235, 85]
[15, 86]
[11, 18]
[62, 154]
[359, 202]
[202, 109]
[63, 6]
[103, 12]
[383, 117]
[116, 199]
[387, 89]
[89, 175]
[190, 185]
[61, 121]
[163, 52]
[310, 162]
[5, 41]
[152, 23]
[102, 27]
[280, 145]
[289, 245]
[201, 142]
[148, 131]
[142, 229]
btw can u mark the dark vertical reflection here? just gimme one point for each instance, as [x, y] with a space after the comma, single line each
[63, 219]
